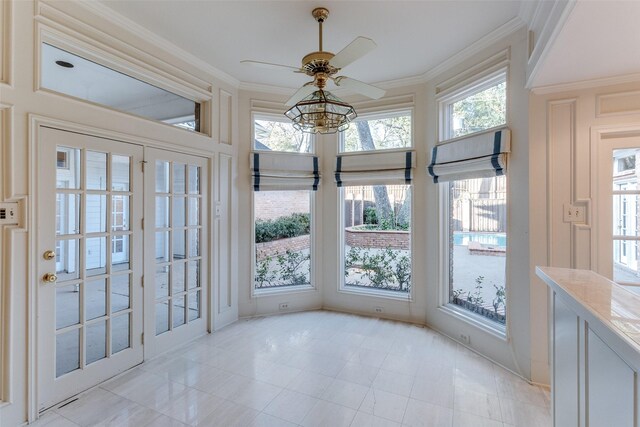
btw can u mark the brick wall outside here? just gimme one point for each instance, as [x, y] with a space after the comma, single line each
[294, 244]
[274, 204]
[394, 239]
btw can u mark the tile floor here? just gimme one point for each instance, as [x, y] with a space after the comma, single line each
[313, 369]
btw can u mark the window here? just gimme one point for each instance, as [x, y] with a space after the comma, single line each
[477, 245]
[375, 176]
[377, 238]
[282, 239]
[378, 132]
[472, 172]
[67, 73]
[626, 252]
[275, 134]
[476, 107]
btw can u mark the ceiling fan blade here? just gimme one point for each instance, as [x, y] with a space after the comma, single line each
[362, 88]
[303, 92]
[270, 65]
[353, 51]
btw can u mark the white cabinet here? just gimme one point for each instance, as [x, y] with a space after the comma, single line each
[595, 350]
[609, 386]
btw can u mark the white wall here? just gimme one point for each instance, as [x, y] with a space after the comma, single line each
[21, 102]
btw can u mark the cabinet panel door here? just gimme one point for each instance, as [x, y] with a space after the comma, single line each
[610, 386]
[565, 365]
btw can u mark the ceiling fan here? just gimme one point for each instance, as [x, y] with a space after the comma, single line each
[323, 66]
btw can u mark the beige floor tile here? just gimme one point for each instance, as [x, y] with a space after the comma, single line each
[368, 357]
[463, 419]
[345, 393]
[291, 406]
[266, 420]
[481, 404]
[229, 414]
[358, 373]
[438, 392]
[383, 404]
[523, 414]
[363, 419]
[164, 421]
[325, 414]
[310, 383]
[393, 382]
[255, 394]
[53, 419]
[192, 406]
[422, 414]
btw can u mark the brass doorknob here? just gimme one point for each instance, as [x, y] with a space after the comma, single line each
[49, 278]
[49, 255]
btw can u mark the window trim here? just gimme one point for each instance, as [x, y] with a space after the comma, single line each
[378, 293]
[273, 117]
[380, 114]
[257, 293]
[475, 84]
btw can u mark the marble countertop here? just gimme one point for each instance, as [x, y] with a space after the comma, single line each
[612, 304]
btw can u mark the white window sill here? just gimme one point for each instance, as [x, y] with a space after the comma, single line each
[475, 320]
[377, 293]
[282, 290]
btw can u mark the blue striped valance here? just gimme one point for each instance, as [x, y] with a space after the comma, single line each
[284, 171]
[478, 156]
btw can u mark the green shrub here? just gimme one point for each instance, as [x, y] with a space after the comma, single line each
[284, 227]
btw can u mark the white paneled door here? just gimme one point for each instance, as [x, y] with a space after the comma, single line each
[176, 249]
[89, 261]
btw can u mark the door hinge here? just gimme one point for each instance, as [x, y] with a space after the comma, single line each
[142, 163]
[142, 338]
[142, 223]
[142, 281]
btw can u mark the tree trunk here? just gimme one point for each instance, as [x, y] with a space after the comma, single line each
[383, 206]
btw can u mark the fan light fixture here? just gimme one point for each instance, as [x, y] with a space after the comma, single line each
[321, 112]
[314, 109]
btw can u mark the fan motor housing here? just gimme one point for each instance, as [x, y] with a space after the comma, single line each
[318, 62]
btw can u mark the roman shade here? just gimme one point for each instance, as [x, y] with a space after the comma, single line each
[479, 156]
[283, 171]
[375, 168]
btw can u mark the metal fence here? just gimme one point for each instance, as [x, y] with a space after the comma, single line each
[358, 198]
[479, 205]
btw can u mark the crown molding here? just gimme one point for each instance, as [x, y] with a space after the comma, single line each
[506, 29]
[586, 84]
[136, 29]
[554, 23]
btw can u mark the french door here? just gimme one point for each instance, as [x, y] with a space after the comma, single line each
[619, 210]
[90, 252]
[176, 249]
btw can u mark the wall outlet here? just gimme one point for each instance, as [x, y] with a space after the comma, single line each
[283, 306]
[378, 309]
[573, 213]
[465, 339]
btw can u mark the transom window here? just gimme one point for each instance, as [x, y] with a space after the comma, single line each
[385, 131]
[270, 133]
[476, 107]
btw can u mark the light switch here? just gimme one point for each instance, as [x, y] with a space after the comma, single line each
[573, 213]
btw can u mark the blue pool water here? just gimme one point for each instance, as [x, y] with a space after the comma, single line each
[493, 239]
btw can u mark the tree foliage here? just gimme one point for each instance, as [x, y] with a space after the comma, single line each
[480, 111]
[282, 136]
[388, 132]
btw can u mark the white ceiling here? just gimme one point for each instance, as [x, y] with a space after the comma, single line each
[412, 36]
[599, 39]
